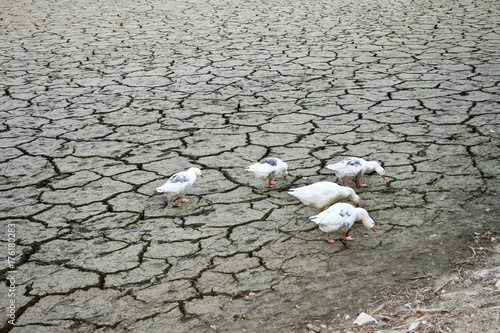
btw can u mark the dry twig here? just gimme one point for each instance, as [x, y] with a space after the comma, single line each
[442, 286]
[428, 275]
[425, 310]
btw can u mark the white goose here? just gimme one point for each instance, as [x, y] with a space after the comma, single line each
[268, 168]
[323, 194]
[340, 217]
[355, 167]
[179, 183]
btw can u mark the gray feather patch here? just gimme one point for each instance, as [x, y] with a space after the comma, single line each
[270, 160]
[271, 174]
[178, 178]
[344, 227]
[344, 213]
[352, 162]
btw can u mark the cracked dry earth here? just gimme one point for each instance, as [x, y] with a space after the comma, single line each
[102, 101]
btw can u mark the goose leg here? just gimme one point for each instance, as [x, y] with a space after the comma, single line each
[343, 184]
[271, 183]
[328, 239]
[361, 185]
[177, 204]
[344, 237]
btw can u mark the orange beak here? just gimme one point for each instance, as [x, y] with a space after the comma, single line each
[202, 176]
[374, 229]
[357, 205]
[383, 176]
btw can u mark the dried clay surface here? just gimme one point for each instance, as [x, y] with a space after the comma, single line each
[101, 101]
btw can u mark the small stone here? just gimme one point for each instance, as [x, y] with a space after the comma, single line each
[413, 326]
[471, 308]
[364, 318]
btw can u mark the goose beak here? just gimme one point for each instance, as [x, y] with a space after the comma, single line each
[357, 205]
[383, 176]
[374, 229]
[202, 176]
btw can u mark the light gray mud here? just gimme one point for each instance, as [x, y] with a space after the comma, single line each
[101, 101]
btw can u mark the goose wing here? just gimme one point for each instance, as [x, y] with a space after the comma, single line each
[262, 170]
[339, 217]
[176, 184]
[318, 194]
[349, 167]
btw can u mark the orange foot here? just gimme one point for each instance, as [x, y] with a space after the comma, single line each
[177, 204]
[271, 184]
[328, 239]
[344, 237]
[361, 185]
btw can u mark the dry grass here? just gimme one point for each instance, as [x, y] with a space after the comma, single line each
[467, 302]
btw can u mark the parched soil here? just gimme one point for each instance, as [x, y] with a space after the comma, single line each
[101, 101]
